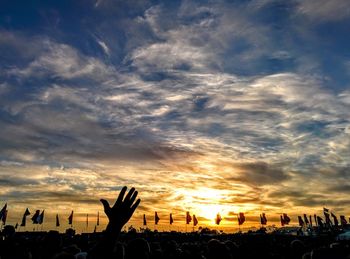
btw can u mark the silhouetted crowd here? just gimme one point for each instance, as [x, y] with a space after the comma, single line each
[114, 243]
[168, 245]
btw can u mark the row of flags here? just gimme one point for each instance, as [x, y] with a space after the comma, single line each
[38, 217]
[307, 221]
[193, 218]
[284, 218]
[304, 220]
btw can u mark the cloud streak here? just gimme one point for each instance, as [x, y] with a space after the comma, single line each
[192, 107]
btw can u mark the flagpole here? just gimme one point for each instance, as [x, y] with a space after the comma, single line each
[239, 226]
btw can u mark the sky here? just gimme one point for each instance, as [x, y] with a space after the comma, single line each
[203, 106]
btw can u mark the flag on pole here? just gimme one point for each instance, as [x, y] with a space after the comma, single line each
[98, 218]
[218, 219]
[171, 220]
[3, 211]
[263, 219]
[335, 219]
[41, 217]
[57, 221]
[343, 220]
[156, 218]
[310, 217]
[144, 220]
[35, 217]
[282, 221]
[286, 218]
[241, 218]
[315, 218]
[70, 218]
[195, 220]
[301, 222]
[188, 217]
[326, 214]
[4, 217]
[306, 220]
[26, 213]
[319, 221]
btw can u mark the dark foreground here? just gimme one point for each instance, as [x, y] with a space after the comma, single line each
[173, 245]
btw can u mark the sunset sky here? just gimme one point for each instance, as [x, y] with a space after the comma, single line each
[205, 106]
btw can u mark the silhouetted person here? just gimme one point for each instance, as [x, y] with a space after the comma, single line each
[138, 248]
[217, 249]
[118, 215]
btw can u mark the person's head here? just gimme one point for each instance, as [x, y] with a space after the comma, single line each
[64, 255]
[8, 231]
[297, 247]
[138, 248]
[233, 248]
[217, 249]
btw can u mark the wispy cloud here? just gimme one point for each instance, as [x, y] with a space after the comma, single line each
[189, 111]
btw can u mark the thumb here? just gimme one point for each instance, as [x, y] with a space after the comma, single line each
[105, 205]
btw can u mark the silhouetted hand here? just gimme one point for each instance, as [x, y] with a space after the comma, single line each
[122, 210]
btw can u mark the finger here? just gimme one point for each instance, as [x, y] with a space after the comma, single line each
[128, 196]
[106, 206]
[133, 207]
[120, 197]
[133, 198]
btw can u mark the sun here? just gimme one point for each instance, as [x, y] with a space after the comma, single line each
[206, 203]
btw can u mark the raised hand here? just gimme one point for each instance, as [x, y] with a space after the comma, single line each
[122, 210]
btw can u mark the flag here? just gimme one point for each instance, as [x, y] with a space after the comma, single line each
[188, 218]
[171, 220]
[195, 220]
[282, 221]
[263, 219]
[57, 221]
[144, 220]
[87, 219]
[286, 219]
[326, 214]
[41, 218]
[336, 222]
[70, 218]
[310, 218]
[315, 218]
[218, 219]
[301, 222]
[98, 219]
[26, 213]
[4, 217]
[35, 217]
[241, 218]
[3, 211]
[319, 221]
[343, 220]
[156, 218]
[306, 220]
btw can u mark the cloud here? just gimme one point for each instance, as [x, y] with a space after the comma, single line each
[62, 61]
[260, 173]
[322, 10]
[188, 112]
